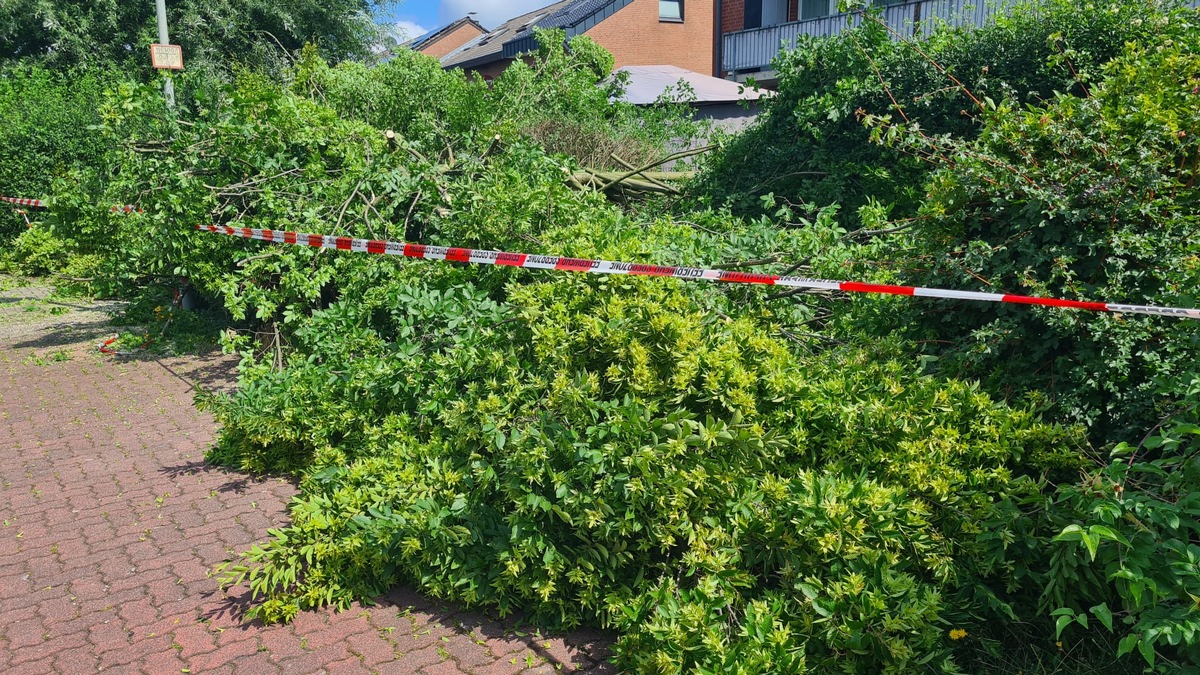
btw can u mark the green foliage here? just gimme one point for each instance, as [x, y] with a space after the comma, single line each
[56, 58]
[156, 322]
[1088, 198]
[35, 252]
[260, 155]
[45, 121]
[1134, 547]
[214, 33]
[573, 447]
[383, 95]
[735, 479]
[607, 450]
[268, 157]
[554, 99]
[811, 147]
[582, 449]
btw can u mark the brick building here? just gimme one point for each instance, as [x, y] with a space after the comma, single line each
[677, 33]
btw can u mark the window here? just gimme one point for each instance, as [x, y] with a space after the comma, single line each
[532, 21]
[813, 9]
[752, 15]
[670, 10]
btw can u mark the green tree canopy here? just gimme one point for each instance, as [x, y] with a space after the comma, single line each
[73, 32]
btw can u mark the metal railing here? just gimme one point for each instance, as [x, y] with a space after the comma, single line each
[754, 49]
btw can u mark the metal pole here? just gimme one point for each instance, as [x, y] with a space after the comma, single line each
[163, 38]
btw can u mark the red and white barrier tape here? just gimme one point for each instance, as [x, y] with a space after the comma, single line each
[544, 262]
[106, 347]
[39, 204]
[32, 203]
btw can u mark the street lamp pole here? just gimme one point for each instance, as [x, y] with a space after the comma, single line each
[163, 38]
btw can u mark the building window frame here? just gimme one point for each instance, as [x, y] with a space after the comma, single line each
[668, 16]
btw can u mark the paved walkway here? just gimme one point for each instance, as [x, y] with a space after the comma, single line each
[112, 521]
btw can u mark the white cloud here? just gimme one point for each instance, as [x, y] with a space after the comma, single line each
[490, 13]
[405, 30]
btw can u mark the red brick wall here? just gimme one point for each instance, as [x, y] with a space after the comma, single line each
[636, 37]
[733, 15]
[793, 13]
[451, 41]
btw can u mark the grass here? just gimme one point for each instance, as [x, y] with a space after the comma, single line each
[57, 356]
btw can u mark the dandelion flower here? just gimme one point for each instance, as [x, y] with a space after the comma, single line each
[958, 634]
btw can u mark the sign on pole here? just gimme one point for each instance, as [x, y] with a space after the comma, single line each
[166, 57]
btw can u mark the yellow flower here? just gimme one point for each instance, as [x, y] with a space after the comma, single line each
[958, 634]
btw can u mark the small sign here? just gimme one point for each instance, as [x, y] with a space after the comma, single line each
[166, 57]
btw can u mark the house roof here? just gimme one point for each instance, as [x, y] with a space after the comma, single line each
[515, 36]
[441, 31]
[647, 83]
[490, 46]
[575, 18]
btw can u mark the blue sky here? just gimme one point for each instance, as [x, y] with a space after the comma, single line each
[415, 17]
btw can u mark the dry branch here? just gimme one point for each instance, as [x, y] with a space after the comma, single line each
[636, 179]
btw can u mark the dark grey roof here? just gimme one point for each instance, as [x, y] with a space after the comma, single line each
[515, 36]
[576, 18]
[578, 11]
[490, 46]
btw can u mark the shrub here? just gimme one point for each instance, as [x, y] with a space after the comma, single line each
[383, 95]
[260, 155]
[45, 131]
[604, 452]
[1129, 562]
[1093, 198]
[35, 252]
[571, 446]
[681, 461]
[1088, 198]
[811, 147]
[558, 99]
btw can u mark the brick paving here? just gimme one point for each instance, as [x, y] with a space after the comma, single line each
[112, 521]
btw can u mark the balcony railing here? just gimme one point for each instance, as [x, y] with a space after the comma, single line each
[754, 49]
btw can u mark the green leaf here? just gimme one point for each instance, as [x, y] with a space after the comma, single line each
[1092, 543]
[820, 607]
[1060, 624]
[1147, 650]
[1102, 612]
[1105, 532]
[1070, 533]
[1127, 644]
